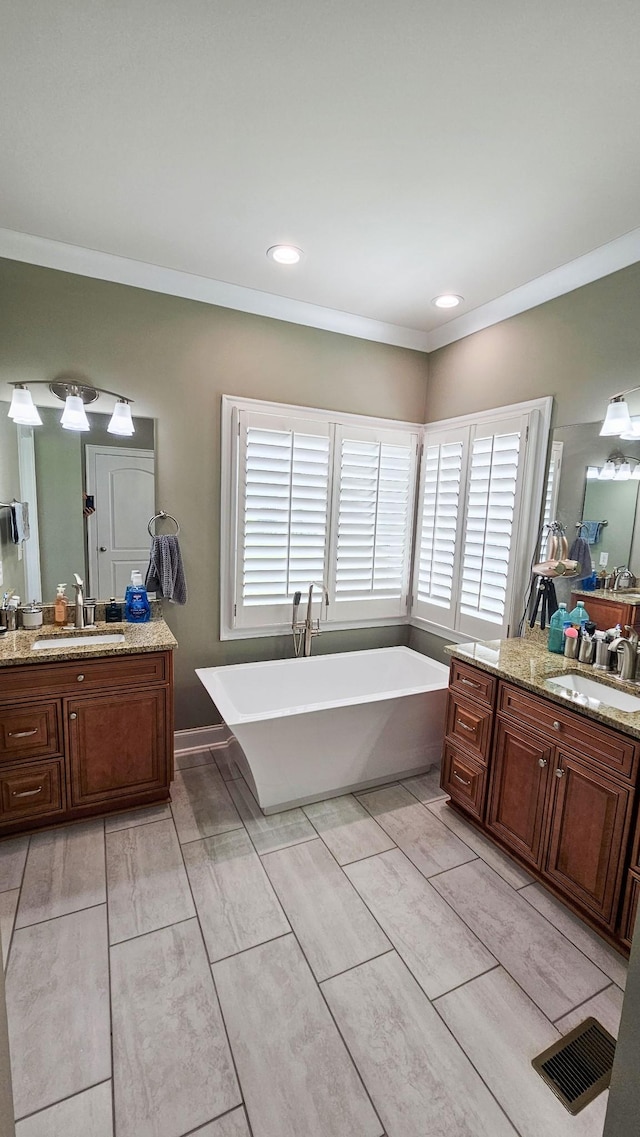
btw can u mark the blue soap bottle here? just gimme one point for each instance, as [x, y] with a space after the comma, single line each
[136, 602]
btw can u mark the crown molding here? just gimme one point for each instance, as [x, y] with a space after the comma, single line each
[612, 257]
[600, 262]
[154, 278]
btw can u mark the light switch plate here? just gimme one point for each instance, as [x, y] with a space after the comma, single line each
[604, 559]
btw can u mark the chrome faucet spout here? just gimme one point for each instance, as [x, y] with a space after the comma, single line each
[311, 630]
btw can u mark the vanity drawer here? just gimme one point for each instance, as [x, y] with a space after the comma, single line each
[464, 779]
[582, 735]
[28, 791]
[472, 682]
[29, 732]
[469, 724]
[84, 675]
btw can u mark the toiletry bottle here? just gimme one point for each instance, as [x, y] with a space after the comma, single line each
[113, 612]
[136, 602]
[60, 606]
[579, 616]
[571, 639]
[555, 641]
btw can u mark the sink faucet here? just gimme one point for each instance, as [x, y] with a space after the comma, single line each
[79, 585]
[628, 649]
[303, 632]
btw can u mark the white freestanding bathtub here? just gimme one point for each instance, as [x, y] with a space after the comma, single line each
[317, 727]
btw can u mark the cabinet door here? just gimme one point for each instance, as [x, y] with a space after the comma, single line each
[519, 782]
[117, 745]
[589, 822]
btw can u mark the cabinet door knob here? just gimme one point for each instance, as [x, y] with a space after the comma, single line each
[73, 715]
[559, 772]
[557, 725]
[103, 548]
[542, 762]
[80, 678]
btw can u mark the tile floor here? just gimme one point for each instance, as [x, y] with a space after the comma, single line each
[365, 966]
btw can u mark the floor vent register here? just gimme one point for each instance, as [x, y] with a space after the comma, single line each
[578, 1067]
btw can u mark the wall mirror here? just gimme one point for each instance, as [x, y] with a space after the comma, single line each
[90, 495]
[573, 497]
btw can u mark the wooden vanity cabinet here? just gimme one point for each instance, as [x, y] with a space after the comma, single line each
[606, 613]
[560, 794]
[109, 724]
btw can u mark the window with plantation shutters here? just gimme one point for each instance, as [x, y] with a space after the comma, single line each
[550, 497]
[439, 523]
[284, 503]
[373, 500]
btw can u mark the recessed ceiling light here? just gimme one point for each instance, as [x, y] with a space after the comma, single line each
[448, 300]
[284, 254]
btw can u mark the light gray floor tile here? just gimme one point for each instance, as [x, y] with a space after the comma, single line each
[501, 1030]
[504, 865]
[8, 905]
[296, 1075]
[225, 757]
[426, 787]
[64, 872]
[273, 832]
[145, 816]
[192, 758]
[172, 1068]
[88, 1114]
[420, 1081]
[335, 929]
[13, 855]
[236, 904]
[200, 804]
[605, 957]
[605, 1007]
[347, 829]
[58, 1008]
[426, 841]
[233, 1124]
[434, 943]
[147, 882]
[551, 971]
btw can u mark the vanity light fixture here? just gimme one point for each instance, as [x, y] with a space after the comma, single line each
[284, 254]
[447, 300]
[608, 472]
[75, 391]
[617, 468]
[632, 435]
[623, 473]
[593, 473]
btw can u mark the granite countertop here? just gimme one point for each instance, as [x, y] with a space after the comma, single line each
[16, 647]
[527, 663]
[629, 596]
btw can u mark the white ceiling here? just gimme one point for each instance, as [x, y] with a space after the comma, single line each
[410, 148]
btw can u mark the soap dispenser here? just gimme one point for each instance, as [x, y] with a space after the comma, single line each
[60, 606]
[136, 602]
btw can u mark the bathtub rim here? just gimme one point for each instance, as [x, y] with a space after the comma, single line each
[233, 717]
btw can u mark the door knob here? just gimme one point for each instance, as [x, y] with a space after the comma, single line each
[557, 726]
[542, 762]
[73, 715]
[103, 548]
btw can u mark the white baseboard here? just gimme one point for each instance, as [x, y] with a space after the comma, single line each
[201, 738]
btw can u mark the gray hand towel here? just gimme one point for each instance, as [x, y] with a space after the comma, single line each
[581, 553]
[165, 575]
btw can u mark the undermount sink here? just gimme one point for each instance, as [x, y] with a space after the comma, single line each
[590, 693]
[77, 641]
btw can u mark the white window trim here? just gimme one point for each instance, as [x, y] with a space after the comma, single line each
[534, 475]
[230, 410]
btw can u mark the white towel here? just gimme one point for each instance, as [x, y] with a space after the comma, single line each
[165, 575]
[20, 522]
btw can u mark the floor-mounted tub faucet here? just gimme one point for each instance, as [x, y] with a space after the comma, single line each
[304, 631]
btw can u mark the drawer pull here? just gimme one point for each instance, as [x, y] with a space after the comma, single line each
[560, 772]
[557, 725]
[27, 793]
[22, 733]
[464, 726]
[542, 762]
[457, 776]
[80, 678]
[469, 682]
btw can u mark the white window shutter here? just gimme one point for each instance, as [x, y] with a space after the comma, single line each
[550, 497]
[374, 486]
[439, 528]
[283, 502]
[491, 525]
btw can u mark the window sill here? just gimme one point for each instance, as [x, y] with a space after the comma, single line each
[438, 630]
[325, 626]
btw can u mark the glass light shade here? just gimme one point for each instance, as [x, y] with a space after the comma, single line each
[22, 409]
[74, 415]
[634, 434]
[635, 477]
[617, 419]
[121, 421]
[608, 472]
[593, 472]
[623, 473]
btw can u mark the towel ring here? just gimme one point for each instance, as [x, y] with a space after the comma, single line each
[161, 517]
